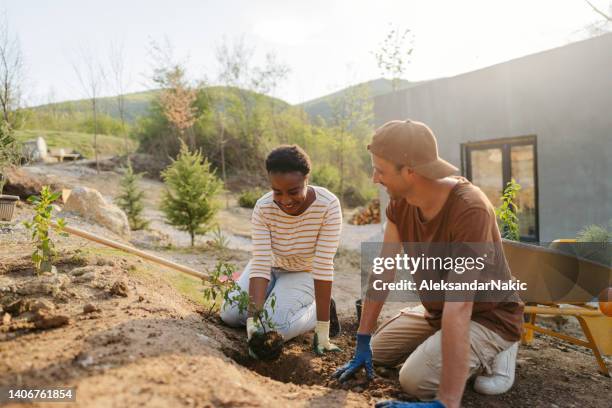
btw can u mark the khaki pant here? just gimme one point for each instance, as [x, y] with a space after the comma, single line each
[408, 338]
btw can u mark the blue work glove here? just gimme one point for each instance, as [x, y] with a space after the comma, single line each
[403, 404]
[362, 358]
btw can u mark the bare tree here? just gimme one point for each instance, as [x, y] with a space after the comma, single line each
[606, 16]
[604, 24]
[394, 54]
[91, 77]
[120, 81]
[11, 72]
[237, 70]
[177, 95]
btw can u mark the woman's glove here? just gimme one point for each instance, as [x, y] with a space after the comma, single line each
[321, 343]
[251, 328]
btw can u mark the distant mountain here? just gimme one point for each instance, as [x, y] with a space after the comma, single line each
[321, 106]
[137, 104]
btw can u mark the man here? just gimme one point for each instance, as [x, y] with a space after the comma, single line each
[442, 343]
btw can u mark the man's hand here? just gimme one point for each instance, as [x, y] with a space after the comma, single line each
[321, 343]
[402, 404]
[362, 358]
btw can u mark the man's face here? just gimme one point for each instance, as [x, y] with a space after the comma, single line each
[289, 190]
[387, 174]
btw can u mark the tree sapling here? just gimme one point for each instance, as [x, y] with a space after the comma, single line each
[266, 343]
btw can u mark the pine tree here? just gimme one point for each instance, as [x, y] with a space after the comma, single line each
[130, 199]
[191, 186]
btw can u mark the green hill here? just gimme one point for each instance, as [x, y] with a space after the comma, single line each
[136, 104]
[321, 106]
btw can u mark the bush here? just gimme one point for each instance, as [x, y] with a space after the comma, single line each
[248, 198]
[594, 233]
[9, 151]
[506, 212]
[327, 176]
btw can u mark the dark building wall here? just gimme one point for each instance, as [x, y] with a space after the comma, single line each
[563, 96]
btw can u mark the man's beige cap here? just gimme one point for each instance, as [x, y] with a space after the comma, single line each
[412, 144]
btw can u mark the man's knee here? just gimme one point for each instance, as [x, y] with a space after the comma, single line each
[383, 353]
[419, 382]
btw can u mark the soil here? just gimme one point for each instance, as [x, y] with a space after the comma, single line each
[154, 347]
[125, 332]
[267, 346]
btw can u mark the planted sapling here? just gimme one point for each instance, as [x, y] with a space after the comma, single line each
[40, 225]
[265, 343]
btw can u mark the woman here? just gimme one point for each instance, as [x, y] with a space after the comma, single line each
[295, 231]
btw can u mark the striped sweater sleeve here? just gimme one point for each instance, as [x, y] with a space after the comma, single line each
[261, 263]
[327, 243]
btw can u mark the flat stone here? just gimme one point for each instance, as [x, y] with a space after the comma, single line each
[90, 308]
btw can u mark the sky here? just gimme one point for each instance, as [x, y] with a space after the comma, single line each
[327, 44]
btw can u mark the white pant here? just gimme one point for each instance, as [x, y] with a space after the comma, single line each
[295, 311]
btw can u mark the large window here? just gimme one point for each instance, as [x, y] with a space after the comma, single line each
[491, 164]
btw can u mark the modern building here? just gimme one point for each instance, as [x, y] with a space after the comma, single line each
[544, 120]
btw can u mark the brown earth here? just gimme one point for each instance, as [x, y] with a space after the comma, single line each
[155, 347]
[125, 332]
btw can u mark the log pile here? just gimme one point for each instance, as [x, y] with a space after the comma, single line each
[368, 215]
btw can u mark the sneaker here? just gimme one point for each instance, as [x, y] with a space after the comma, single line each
[334, 323]
[502, 378]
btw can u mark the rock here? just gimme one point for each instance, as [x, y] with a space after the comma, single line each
[90, 308]
[6, 319]
[46, 321]
[28, 305]
[47, 285]
[23, 184]
[89, 204]
[82, 270]
[151, 239]
[40, 304]
[83, 359]
[86, 277]
[119, 288]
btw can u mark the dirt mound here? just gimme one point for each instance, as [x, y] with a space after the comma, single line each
[150, 347]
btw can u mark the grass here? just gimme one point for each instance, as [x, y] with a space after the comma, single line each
[108, 145]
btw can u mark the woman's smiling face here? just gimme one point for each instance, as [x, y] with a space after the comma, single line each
[289, 190]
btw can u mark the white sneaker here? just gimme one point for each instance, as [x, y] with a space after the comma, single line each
[502, 378]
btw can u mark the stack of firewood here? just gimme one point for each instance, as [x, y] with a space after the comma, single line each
[368, 215]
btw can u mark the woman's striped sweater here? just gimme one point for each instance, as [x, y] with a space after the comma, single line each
[300, 243]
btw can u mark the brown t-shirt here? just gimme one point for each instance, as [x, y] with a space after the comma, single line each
[466, 217]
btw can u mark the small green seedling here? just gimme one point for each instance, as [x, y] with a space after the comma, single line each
[265, 344]
[40, 225]
[219, 240]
